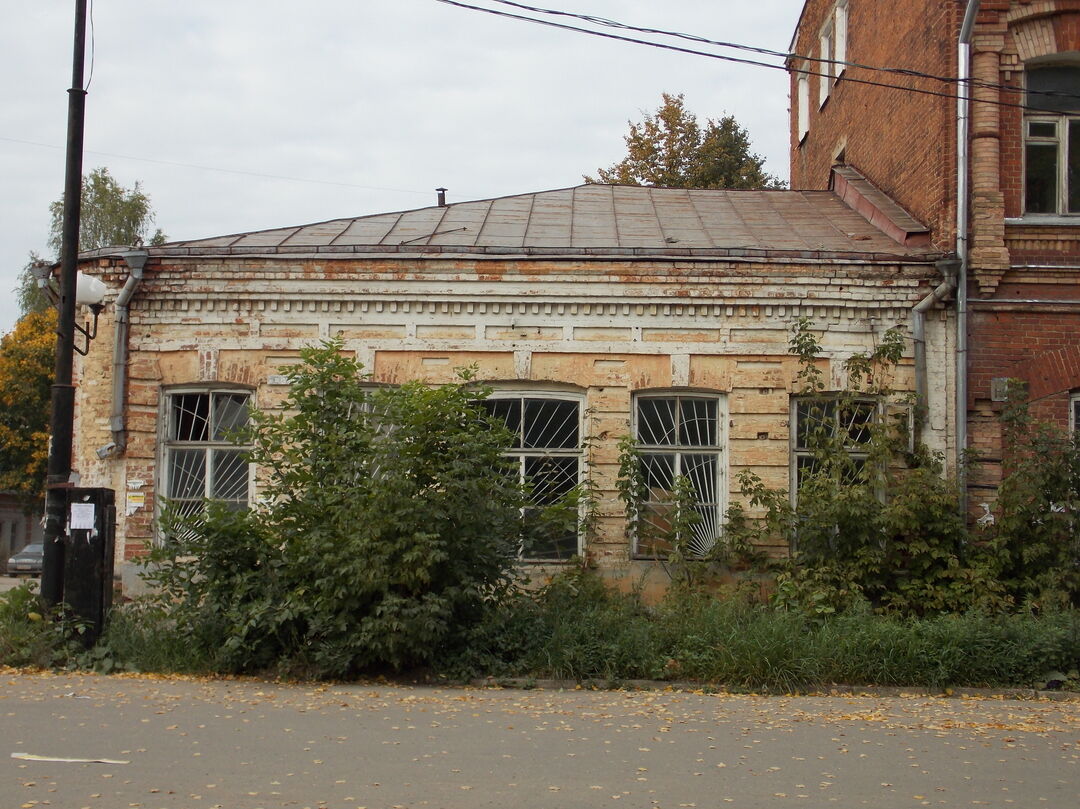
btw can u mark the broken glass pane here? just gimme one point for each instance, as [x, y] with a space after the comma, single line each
[656, 421]
[230, 414]
[190, 416]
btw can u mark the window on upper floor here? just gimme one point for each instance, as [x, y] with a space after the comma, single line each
[1052, 140]
[802, 102]
[1074, 412]
[200, 458]
[840, 37]
[826, 68]
[547, 452]
[679, 435]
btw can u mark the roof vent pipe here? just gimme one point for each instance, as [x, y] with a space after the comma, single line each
[442, 196]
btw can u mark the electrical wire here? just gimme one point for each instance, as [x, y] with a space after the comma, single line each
[902, 71]
[93, 49]
[757, 63]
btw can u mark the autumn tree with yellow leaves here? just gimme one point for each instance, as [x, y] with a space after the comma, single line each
[26, 373]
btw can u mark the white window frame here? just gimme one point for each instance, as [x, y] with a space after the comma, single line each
[718, 451]
[840, 38]
[802, 103]
[522, 454]
[1074, 411]
[170, 445]
[855, 451]
[1059, 114]
[825, 68]
[1060, 139]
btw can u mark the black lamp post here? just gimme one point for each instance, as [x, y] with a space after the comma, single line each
[63, 392]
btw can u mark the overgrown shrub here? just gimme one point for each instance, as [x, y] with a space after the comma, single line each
[32, 636]
[1036, 537]
[389, 524]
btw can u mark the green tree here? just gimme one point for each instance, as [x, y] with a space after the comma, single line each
[110, 215]
[388, 529]
[26, 372]
[670, 148]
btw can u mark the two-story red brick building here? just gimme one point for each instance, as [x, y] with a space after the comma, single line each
[967, 115]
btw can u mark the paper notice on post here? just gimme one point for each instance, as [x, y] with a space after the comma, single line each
[82, 517]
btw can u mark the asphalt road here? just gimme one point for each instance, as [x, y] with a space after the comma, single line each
[248, 744]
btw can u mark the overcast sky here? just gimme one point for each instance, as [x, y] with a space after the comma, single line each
[241, 115]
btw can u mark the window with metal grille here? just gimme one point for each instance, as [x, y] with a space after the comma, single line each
[1052, 140]
[547, 453]
[201, 459]
[679, 435]
[832, 422]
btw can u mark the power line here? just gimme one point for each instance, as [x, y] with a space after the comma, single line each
[902, 71]
[752, 62]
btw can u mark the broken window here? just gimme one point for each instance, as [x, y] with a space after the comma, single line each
[679, 436]
[826, 425]
[547, 455]
[201, 459]
[1052, 141]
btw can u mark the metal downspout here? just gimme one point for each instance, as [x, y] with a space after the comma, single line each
[963, 61]
[117, 424]
[948, 269]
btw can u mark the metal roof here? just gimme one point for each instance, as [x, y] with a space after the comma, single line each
[590, 219]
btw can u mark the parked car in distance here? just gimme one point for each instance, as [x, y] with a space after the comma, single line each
[28, 561]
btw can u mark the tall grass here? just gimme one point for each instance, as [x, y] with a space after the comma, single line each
[580, 629]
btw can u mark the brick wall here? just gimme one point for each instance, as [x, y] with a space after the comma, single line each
[613, 330]
[901, 141]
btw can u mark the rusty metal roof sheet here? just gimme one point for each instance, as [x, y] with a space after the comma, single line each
[592, 219]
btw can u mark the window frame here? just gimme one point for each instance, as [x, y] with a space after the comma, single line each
[802, 102]
[797, 451]
[840, 43]
[1074, 411]
[718, 451]
[522, 453]
[1063, 120]
[826, 68]
[168, 445]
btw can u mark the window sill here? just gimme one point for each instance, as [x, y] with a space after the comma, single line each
[1044, 220]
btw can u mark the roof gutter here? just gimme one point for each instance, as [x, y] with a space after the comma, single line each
[135, 260]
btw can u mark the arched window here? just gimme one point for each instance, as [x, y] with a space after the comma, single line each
[547, 451]
[680, 435]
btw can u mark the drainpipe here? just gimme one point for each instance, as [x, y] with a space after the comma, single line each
[963, 63]
[135, 260]
[949, 270]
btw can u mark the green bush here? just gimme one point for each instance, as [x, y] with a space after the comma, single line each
[389, 526]
[32, 636]
[580, 628]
